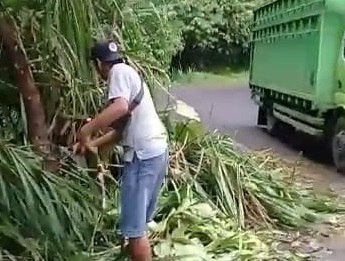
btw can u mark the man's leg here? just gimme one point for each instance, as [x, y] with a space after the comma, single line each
[137, 191]
[157, 187]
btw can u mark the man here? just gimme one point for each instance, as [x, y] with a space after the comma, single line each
[144, 140]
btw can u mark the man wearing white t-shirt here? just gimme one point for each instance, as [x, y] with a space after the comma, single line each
[144, 139]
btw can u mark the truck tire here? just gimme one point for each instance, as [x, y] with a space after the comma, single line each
[272, 123]
[266, 120]
[261, 117]
[338, 144]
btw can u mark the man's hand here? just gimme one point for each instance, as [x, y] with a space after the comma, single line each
[78, 149]
[83, 142]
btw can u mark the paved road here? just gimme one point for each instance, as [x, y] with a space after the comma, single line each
[230, 110]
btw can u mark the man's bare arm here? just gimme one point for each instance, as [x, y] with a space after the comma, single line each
[117, 109]
[105, 139]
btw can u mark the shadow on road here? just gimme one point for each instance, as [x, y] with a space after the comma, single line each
[305, 145]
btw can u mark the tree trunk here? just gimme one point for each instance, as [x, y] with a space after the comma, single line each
[36, 125]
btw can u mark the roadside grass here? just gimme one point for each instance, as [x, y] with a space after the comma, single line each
[214, 77]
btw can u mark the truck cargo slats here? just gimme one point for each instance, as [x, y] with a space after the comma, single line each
[295, 18]
[297, 28]
[277, 13]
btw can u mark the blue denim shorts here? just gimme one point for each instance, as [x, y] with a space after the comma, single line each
[140, 186]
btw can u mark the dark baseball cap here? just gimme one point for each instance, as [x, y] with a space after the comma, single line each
[105, 51]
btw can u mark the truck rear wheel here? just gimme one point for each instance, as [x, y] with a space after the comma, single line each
[338, 144]
[272, 123]
[267, 120]
[261, 117]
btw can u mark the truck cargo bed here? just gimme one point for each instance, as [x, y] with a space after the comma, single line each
[295, 48]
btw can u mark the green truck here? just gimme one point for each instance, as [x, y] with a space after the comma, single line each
[297, 69]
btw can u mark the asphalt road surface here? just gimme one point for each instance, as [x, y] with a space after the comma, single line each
[230, 110]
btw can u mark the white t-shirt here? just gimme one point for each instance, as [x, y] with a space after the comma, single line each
[145, 134]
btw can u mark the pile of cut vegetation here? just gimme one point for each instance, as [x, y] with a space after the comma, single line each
[219, 203]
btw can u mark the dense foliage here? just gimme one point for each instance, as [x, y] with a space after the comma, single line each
[215, 32]
[56, 35]
[218, 202]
